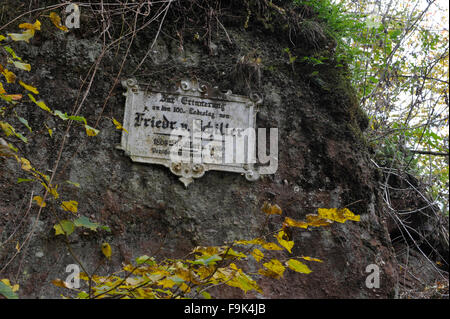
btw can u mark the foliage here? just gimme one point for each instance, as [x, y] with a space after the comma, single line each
[209, 267]
[13, 138]
[398, 56]
[10, 110]
[7, 290]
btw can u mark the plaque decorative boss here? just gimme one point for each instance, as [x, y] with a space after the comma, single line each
[191, 129]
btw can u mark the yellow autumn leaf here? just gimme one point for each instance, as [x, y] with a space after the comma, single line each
[234, 254]
[312, 259]
[338, 215]
[70, 206]
[24, 36]
[2, 89]
[40, 201]
[186, 275]
[271, 209]
[317, 221]
[26, 165]
[257, 254]
[271, 246]
[53, 190]
[166, 283]
[5, 148]
[261, 242]
[41, 104]
[9, 76]
[7, 128]
[59, 283]
[235, 277]
[294, 223]
[206, 250]
[6, 282]
[56, 19]
[29, 87]
[256, 241]
[266, 208]
[133, 281]
[275, 269]
[64, 227]
[184, 287]
[118, 125]
[14, 97]
[22, 66]
[298, 266]
[84, 276]
[275, 210]
[90, 131]
[106, 250]
[17, 246]
[285, 243]
[34, 26]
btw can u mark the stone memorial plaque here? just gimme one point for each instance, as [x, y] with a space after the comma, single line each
[191, 129]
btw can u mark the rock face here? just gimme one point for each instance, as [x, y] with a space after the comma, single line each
[323, 161]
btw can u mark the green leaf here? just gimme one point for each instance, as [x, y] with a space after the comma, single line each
[373, 79]
[145, 259]
[83, 221]
[235, 254]
[77, 118]
[21, 180]
[64, 226]
[25, 122]
[394, 34]
[11, 51]
[205, 294]
[207, 260]
[105, 228]
[83, 295]
[61, 115]
[74, 183]
[23, 138]
[15, 149]
[7, 291]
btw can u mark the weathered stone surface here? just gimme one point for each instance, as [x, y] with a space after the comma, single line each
[322, 163]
